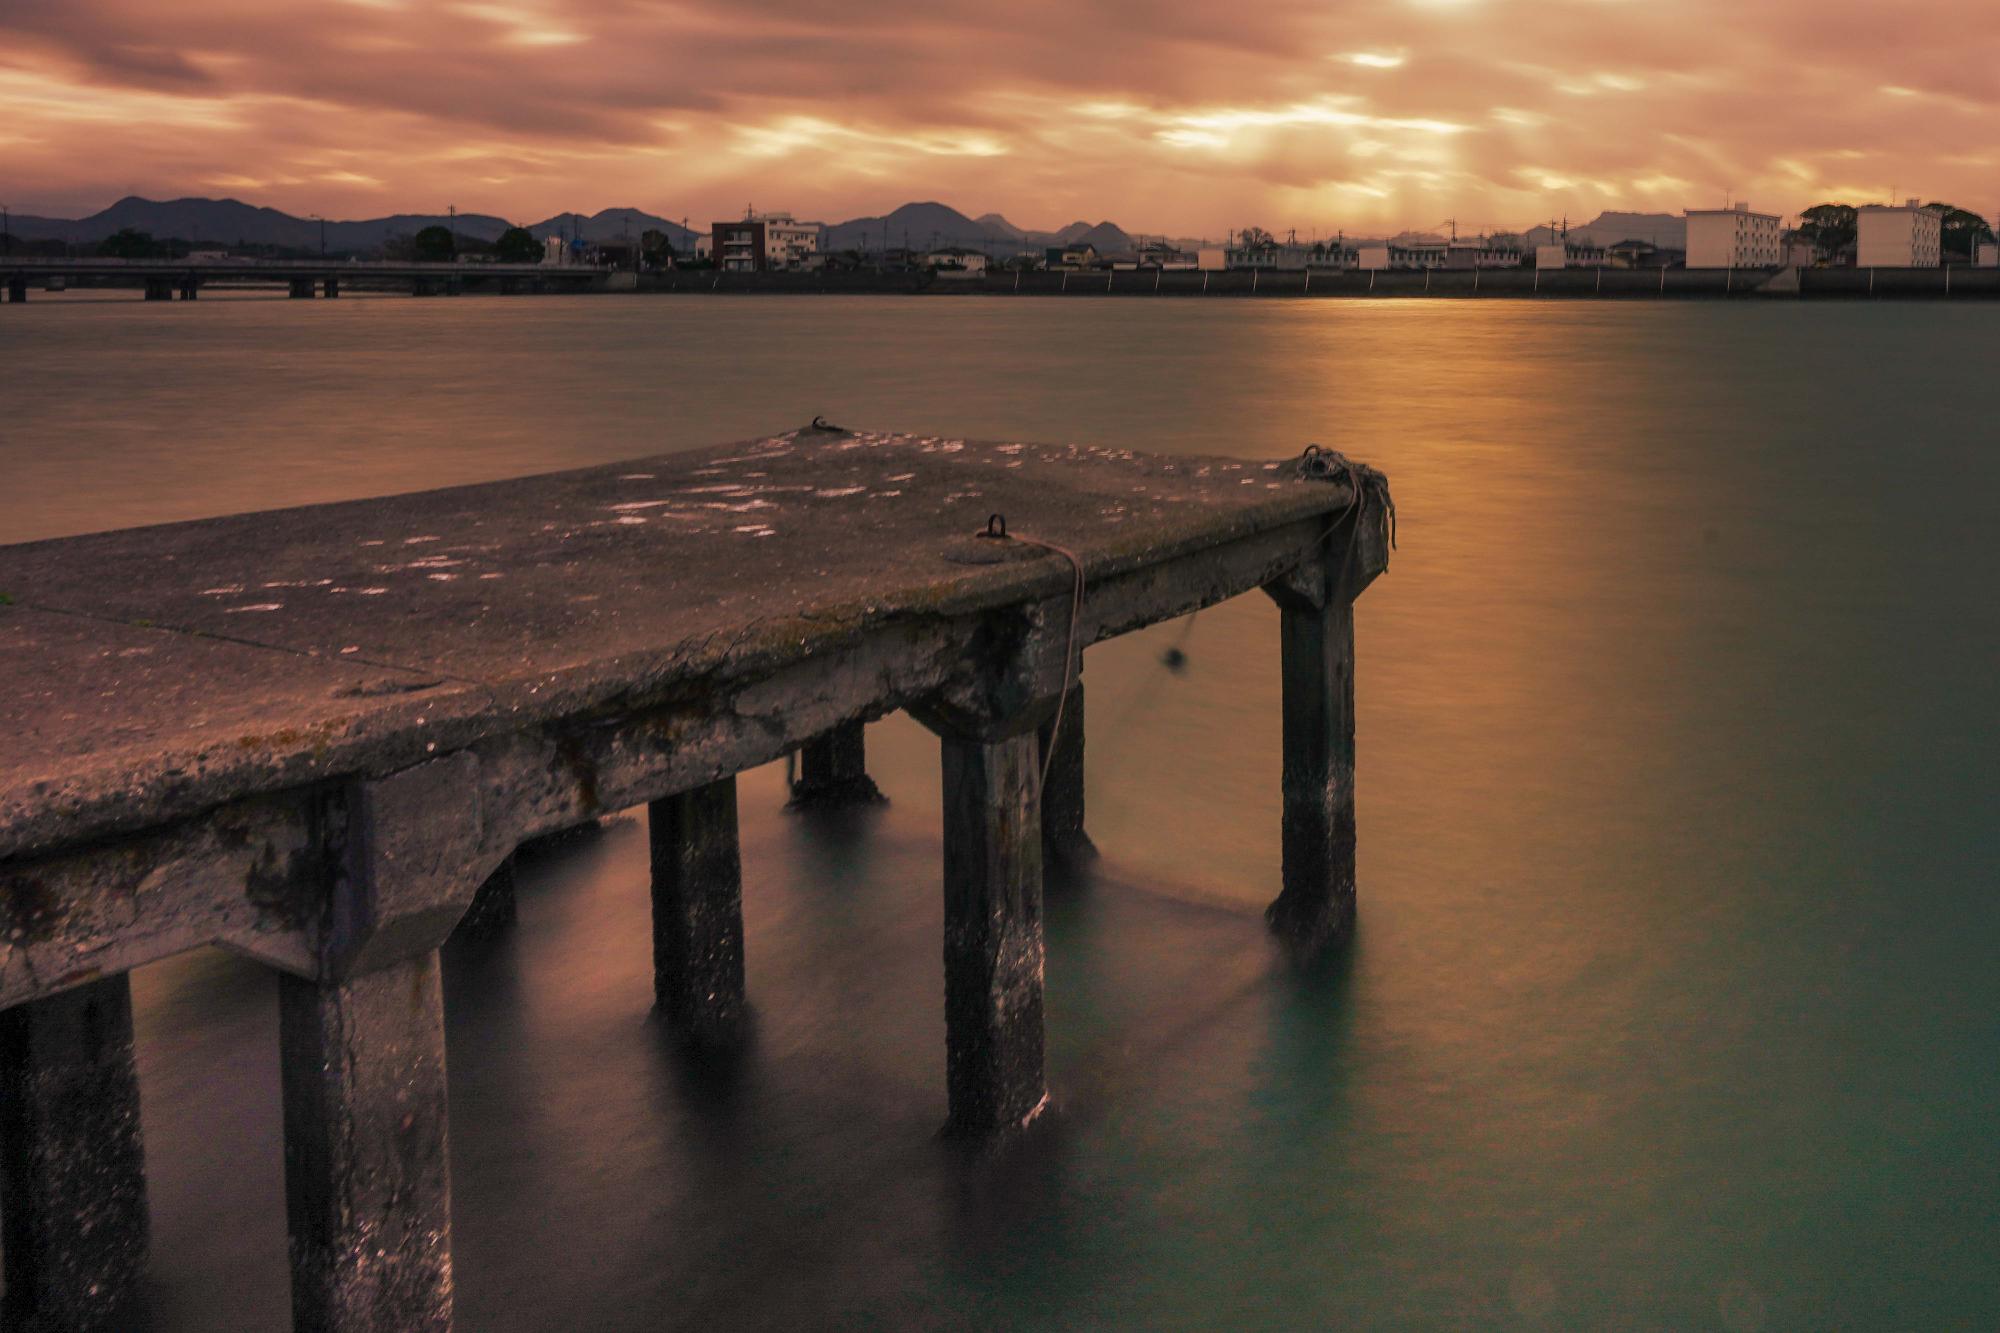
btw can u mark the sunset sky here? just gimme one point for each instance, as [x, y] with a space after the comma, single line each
[1180, 115]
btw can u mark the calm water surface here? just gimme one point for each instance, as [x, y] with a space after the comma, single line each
[1674, 1001]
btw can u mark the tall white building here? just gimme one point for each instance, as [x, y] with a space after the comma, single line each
[1732, 237]
[1905, 237]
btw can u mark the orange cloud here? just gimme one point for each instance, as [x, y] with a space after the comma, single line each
[1169, 114]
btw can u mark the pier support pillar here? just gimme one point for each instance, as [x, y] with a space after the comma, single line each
[361, 1040]
[302, 289]
[72, 1168]
[833, 770]
[993, 952]
[331, 287]
[698, 914]
[1316, 632]
[159, 289]
[367, 1181]
[1064, 842]
[1317, 901]
[17, 289]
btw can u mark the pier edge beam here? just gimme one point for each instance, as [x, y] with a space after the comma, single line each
[1316, 904]
[994, 953]
[833, 770]
[72, 1161]
[1065, 843]
[697, 872]
[367, 1177]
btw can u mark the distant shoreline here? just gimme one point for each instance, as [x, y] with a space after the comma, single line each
[1457, 284]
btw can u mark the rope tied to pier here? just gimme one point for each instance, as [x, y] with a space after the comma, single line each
[1318, 463]
[996, 530]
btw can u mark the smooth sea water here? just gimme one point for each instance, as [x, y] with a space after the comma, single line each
[1675, 996]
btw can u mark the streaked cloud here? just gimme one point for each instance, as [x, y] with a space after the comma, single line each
[1173, 115]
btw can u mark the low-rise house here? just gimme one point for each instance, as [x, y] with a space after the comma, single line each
[956, 262]
[1071, 256]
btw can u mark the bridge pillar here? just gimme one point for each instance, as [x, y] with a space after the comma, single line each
[159, 289]
[17, 288]
[302, 289]
[72, 1168]
[698, 914]
[833, 770]
[332, 288]
[422, 287]
[189, 289]
[454, 286]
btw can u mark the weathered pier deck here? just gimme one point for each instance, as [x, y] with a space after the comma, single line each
[311, 736]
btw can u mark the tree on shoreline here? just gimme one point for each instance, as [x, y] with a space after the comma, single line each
[517, 245]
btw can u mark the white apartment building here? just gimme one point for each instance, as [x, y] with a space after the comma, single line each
[788, 243]
[1907, 237]
[1732, 237]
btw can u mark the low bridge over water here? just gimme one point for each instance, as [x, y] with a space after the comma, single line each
[166, 279]
[316, 737]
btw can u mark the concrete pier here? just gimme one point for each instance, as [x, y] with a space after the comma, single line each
[72, 1170]
[317, 738]
[833, 770]
[331, 287]
[17, 289]
[159, 288]
[301, 289]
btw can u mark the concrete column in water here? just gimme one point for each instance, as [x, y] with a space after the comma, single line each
[17, 289]
[72, 1168]
[988, 725]
[1064, 841]
[993, 950]
[367, 1178]
[833, 769]
[367, 1170]
[302, 289]
[698, 914]
[159, 289]
[1316, 632]
[331, 287]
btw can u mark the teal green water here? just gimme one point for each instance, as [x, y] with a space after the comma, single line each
[1674, 1000]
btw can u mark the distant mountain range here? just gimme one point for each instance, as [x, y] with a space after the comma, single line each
[918, 225]
[232, 222]
[1662, 229]
[934, 225]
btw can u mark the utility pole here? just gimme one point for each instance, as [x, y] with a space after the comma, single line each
[452, 211]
